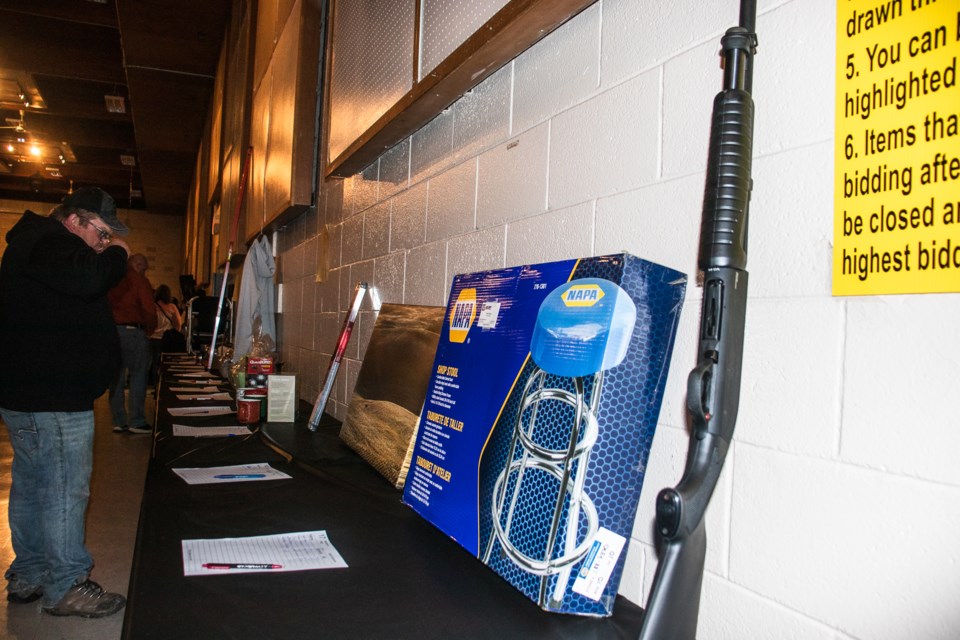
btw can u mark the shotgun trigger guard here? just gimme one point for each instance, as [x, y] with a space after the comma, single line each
[669, 511]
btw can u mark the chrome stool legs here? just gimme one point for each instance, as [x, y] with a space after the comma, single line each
[567, 466]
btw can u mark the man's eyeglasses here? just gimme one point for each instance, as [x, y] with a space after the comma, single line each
[105, 236]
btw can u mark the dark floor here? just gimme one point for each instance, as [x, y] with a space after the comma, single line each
[119, 468]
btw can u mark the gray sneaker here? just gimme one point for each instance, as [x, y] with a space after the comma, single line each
[87, 600]
[141, 429]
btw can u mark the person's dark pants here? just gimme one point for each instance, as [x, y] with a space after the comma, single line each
[135, 359]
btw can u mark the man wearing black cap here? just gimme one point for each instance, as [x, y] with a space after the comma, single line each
[59, 351]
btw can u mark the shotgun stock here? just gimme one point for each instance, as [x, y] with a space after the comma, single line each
[713, 387]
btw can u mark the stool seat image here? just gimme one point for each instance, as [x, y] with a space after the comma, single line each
[583, 327]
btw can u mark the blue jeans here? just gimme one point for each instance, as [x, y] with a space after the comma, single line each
[52, 461]
[135, 358]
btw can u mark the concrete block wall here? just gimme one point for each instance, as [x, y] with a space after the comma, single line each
[837, 513]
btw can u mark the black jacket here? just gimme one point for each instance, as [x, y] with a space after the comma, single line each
[58, 344]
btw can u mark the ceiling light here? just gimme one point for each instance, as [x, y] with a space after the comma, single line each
[35, 150]
[115, 104]
[9, 147]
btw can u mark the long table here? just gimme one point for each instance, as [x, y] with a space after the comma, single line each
[405, 579]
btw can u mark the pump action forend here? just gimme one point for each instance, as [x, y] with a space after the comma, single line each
[713, 387]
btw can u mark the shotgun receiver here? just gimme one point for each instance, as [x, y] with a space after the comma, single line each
[713, 387]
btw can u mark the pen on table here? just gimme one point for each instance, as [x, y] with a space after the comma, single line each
[240, 565]
[233, 476]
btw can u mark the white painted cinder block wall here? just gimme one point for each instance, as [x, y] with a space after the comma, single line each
[838, 511]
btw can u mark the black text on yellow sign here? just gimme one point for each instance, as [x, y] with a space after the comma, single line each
[897, 147]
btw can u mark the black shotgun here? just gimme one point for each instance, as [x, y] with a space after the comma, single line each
[713, 387]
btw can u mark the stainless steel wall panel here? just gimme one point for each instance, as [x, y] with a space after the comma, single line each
[446, 24]
[372, 66]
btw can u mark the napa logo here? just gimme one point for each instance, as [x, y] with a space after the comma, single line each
[462, 315]
[582, 295]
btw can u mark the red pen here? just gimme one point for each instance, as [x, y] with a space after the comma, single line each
[240, 565]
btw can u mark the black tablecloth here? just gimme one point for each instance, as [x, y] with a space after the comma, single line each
[405, 579]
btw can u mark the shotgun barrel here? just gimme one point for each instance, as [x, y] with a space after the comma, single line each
[713, 386]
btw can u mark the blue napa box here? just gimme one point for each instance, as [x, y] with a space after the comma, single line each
[542, 405]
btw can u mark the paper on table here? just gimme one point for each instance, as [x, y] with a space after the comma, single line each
[192, 381]
[195, 389]
[199, 411]
[201, 374]
[292, 551]
[209, 475]
[204, 396]
[208, 432]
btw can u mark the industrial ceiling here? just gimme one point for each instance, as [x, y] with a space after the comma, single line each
[112, 93]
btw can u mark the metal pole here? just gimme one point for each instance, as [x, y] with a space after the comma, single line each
[226, 267]
[348, 323]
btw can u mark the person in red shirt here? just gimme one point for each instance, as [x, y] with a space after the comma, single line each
[131, 303]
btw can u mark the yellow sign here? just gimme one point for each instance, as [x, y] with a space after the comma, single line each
[582, 295]
[897, 148]
[462, 315]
